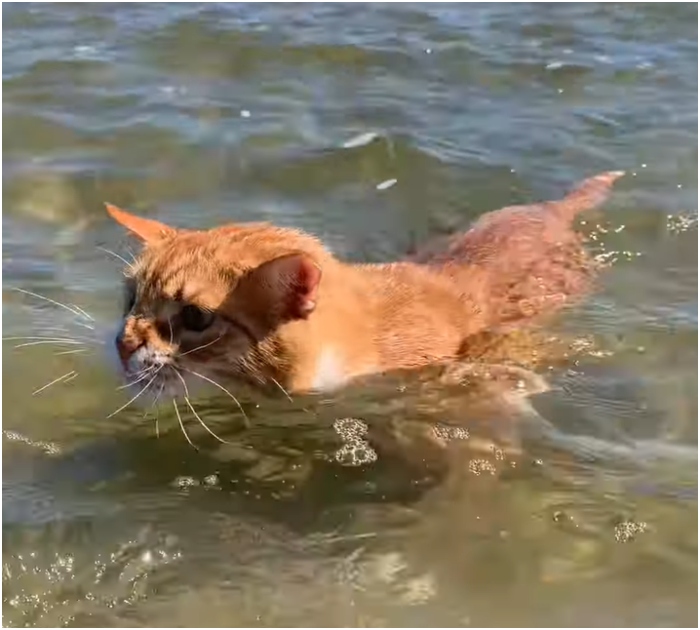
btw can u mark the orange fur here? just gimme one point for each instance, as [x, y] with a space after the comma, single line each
[285, 310]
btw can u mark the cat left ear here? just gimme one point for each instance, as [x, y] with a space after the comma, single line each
[291, 283]
[148, 230]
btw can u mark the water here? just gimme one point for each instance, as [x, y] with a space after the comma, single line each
[374, 127]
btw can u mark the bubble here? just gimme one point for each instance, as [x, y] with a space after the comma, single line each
[447, 432]
[350, 428]
[211, 480]
[676, 224]
[185, 482]
[628, 530]
[481, 466]
[120, 577]
[355, 453]
[47, 447]
[499, 454]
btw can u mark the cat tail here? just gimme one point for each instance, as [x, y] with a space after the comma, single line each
[587, 195]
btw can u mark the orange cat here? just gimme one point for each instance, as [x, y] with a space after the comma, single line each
[272, 306]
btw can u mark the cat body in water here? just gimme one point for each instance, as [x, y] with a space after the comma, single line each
[273, 307]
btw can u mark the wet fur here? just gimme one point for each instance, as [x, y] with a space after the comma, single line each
[290, 315]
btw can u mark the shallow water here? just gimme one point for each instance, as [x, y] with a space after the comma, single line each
[374, 127]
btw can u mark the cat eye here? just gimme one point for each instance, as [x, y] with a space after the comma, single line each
[195, 319]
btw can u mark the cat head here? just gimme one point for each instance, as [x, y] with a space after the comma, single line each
[215, 304]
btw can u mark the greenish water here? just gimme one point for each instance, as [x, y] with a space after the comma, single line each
[202, 114]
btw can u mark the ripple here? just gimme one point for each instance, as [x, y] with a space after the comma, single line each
[200, 114]
[200, 48]
[62, 73]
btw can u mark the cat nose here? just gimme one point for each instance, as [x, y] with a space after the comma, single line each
[125, 348]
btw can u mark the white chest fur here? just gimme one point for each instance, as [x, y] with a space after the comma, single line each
[330, 372]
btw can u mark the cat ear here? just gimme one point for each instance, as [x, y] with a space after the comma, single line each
[148, 230]
[290, 283]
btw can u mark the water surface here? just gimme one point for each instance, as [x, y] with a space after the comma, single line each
[197, 115]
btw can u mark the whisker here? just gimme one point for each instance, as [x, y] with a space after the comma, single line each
[60, 331]
[200, 347]
[223, 389]
[146, 386]
[284, 391]
[43, 297]
[196, 415]
[184, 385]
[35, 337]
[51, 338]
[155, 404]
[70, 378]
[171, 331]
[46, 299]
[182, 426]
[59, 342]
[66, 330]
[109, 251]
[85, 313]
[72, 374]
[155, 400]
[58, 354]
[141, 376]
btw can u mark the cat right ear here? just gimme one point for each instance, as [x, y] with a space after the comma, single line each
[287, 285]
[148, 230]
